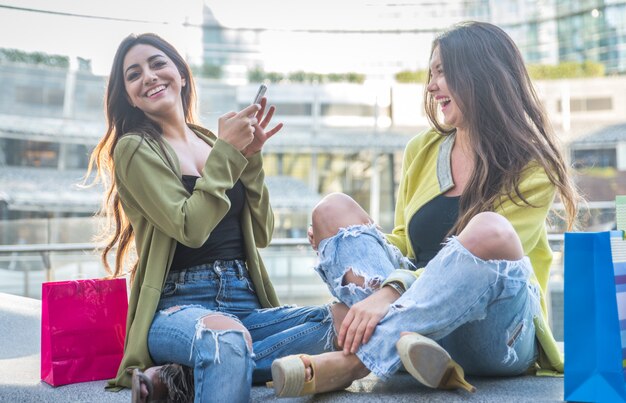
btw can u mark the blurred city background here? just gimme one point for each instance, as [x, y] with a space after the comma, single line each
[347, 78]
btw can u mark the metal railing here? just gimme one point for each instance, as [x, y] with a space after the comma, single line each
[289, 262]
[44, 250]
[24, 267]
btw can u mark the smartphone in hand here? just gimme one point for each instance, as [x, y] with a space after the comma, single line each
[259, 95]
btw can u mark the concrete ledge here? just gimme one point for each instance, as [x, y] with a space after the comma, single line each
[20, 326]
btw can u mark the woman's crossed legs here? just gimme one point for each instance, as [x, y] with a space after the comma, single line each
[474, 297]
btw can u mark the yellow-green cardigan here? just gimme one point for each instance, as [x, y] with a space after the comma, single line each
[426, 173]
[162, 212]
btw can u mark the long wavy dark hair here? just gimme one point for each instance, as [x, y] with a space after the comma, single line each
[506, 122]
[123, 118]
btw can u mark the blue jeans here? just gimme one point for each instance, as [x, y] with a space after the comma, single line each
[224, 366]
[480, 311]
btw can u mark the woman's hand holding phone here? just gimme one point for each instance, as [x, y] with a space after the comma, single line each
[260, 136]
[238, 129]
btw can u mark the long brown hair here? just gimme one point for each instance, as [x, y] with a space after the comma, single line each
[123, 118]
[506, 122]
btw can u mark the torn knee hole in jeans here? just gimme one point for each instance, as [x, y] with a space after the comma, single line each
[219, 337]
[355, 279]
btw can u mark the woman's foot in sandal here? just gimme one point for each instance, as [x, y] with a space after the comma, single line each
[299, 375]
[430, 363]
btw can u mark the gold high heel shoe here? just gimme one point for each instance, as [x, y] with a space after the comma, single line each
[289, 377]
[430, 364]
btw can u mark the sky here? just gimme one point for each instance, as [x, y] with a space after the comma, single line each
[92, 38]
[283, 50]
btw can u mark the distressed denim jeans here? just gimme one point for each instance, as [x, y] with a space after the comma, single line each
[480, 311]
[224, 366]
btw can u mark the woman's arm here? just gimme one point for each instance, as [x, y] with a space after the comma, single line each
[148, 184]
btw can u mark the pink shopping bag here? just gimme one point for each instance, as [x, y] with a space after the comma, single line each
[83, 324]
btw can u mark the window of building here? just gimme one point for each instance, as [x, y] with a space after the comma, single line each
[599, 104]
[95, 100]
[39, 95]
[588, 104]
[31, 153]
[76, 156]
[347, 110]
[595, 158]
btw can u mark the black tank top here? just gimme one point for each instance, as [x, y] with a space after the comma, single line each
[226, 239]
[429, 226]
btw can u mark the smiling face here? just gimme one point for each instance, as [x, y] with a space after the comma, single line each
[438, 89]
[152, 81]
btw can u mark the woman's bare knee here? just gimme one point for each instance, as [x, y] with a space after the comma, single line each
[335, 211]
[489, 235]
[349, 277]
[221, 322]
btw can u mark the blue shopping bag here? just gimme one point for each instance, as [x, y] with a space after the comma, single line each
[594, 356]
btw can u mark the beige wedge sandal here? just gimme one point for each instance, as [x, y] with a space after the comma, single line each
[289, 377]
[430, 363]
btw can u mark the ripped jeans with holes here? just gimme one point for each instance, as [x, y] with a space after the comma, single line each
[224, 365]
[480, 311]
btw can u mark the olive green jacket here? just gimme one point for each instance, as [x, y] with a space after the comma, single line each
[427, 173]
[163, 213]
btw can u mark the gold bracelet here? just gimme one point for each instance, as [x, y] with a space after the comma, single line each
[396, 286]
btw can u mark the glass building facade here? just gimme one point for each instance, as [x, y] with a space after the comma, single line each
[554, 31]
[593, 30]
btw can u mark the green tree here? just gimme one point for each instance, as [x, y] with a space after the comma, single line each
[274, 77]
[566, 70]
[256, 75]
[315, 78]
[207, 71]
[35, 58]
[297, 76]
[355, 78]
[408, 76]
[300, 76]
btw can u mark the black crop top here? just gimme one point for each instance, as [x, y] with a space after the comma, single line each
[429, 226]
[226, 239]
